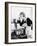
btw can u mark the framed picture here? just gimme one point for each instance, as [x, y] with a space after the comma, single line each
[20, 22]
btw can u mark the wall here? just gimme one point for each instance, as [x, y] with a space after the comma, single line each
[2, 24]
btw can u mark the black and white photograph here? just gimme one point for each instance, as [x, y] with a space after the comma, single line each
[20, 22]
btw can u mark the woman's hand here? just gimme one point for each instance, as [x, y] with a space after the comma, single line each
[24, 25]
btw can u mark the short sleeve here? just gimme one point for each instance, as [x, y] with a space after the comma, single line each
[29, 22]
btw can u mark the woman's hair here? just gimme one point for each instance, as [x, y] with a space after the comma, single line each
[22, 13]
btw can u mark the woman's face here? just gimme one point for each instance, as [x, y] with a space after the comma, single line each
[22, 17]
[19, 32]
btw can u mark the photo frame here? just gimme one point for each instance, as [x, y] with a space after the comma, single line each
[20, 22]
